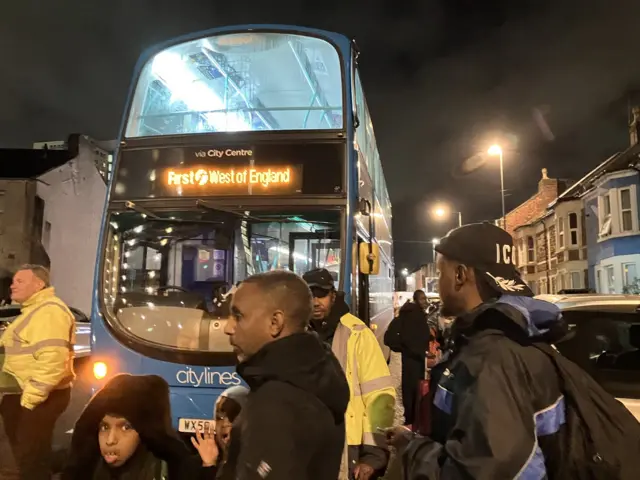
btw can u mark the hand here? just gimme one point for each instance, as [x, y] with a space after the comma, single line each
[205, 444]
[399, 436]
[363, 471]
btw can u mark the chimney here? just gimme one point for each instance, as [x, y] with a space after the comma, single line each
[546, 182]
[634, 126]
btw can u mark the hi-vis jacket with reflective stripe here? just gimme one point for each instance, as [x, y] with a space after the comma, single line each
[38, 347]
[373, 395]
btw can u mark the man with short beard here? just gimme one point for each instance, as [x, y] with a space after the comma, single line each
[372, 403]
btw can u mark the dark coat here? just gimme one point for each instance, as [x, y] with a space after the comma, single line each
[292, 425]
[144, 402]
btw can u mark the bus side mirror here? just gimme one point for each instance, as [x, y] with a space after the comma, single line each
[364, 207]
[369, 258]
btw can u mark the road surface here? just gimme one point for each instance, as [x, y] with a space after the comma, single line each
[80, 395]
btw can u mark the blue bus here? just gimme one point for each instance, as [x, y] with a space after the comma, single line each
[243, 149]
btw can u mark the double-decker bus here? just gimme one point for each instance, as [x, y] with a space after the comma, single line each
[243, 149]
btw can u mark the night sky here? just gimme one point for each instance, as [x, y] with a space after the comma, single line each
[444, 79]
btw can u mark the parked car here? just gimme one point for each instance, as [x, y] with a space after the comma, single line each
[605, 341]
[9, 313]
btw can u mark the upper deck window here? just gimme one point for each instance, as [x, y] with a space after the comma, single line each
[237, 83]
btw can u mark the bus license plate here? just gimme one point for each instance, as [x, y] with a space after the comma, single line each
[191, 425]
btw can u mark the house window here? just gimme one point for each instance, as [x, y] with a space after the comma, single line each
[610, 278]
[599, 281]
[629, 274]
[543, 287]
[531, 251]
[553, 285]
[576, 280]
[626, 212]
[605, 215]
[560, 232]
[2, 201]
[573, 229]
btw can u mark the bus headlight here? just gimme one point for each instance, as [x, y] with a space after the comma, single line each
[99, 370]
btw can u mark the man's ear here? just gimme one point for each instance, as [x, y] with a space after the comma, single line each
[461, 275]
[277, 323]
[40, 285]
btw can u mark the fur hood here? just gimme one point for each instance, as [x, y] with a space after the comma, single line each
[144, 401]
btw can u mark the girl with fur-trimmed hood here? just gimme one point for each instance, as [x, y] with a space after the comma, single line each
[125, 433]
[227, 409]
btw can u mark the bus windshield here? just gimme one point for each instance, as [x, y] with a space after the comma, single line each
[239, 82]
[165, 277]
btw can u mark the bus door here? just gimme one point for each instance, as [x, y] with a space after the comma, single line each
[311, 250]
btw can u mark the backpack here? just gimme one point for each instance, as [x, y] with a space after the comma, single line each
[602, 436]
[602, 440]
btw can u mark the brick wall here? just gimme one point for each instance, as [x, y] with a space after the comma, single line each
[534, 207]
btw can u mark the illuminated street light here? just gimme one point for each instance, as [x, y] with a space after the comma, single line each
[496, 150]
[435, 241]
[405, 272]
[441, 212]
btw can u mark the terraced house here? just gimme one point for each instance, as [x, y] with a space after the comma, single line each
[552, 248]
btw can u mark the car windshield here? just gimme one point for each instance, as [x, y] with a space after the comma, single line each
[165, 279]
[607, 345]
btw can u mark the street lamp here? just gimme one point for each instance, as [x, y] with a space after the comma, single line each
[496, 150]
[434, 242]
[405, 272]
[442, 212]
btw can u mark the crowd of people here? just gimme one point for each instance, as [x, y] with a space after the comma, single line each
[489, 398]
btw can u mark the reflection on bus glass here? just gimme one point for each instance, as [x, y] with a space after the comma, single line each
[219, 84]
[166, 277]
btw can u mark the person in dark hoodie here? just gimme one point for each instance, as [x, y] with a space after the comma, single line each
[227, 408]
[292, 423]
[409, 334]
[125, 433]
[372, 403]
[498, 409]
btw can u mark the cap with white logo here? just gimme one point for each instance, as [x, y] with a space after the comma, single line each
[489, 249]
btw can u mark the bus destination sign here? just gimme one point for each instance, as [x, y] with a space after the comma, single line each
[262, 169]
[213, 179]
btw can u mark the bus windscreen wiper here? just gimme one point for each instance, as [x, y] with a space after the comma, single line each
[157, 218]
[214, 207]
[207, 205]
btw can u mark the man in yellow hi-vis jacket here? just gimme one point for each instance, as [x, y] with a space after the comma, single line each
[38, 353]
[372, 404]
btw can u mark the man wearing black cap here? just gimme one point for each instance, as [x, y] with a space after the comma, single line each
[372, 402]
[498, 410]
